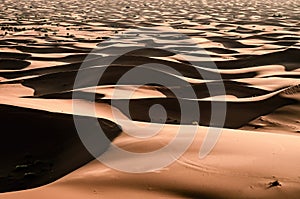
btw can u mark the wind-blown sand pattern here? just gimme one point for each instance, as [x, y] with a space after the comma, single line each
[255, 45]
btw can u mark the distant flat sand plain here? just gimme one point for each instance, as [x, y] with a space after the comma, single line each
[254, 44]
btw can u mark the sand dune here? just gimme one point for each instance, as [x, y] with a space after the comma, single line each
[242, 54]
[35, 143]
[236, 159]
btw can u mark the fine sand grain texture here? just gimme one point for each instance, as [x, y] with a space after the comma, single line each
[254, 44]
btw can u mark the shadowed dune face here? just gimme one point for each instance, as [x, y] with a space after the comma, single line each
[38, 147]
[43, 46]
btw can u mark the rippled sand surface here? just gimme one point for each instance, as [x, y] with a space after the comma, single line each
[254, 45]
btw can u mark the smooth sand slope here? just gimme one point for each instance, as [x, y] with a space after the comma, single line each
[241, 165]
